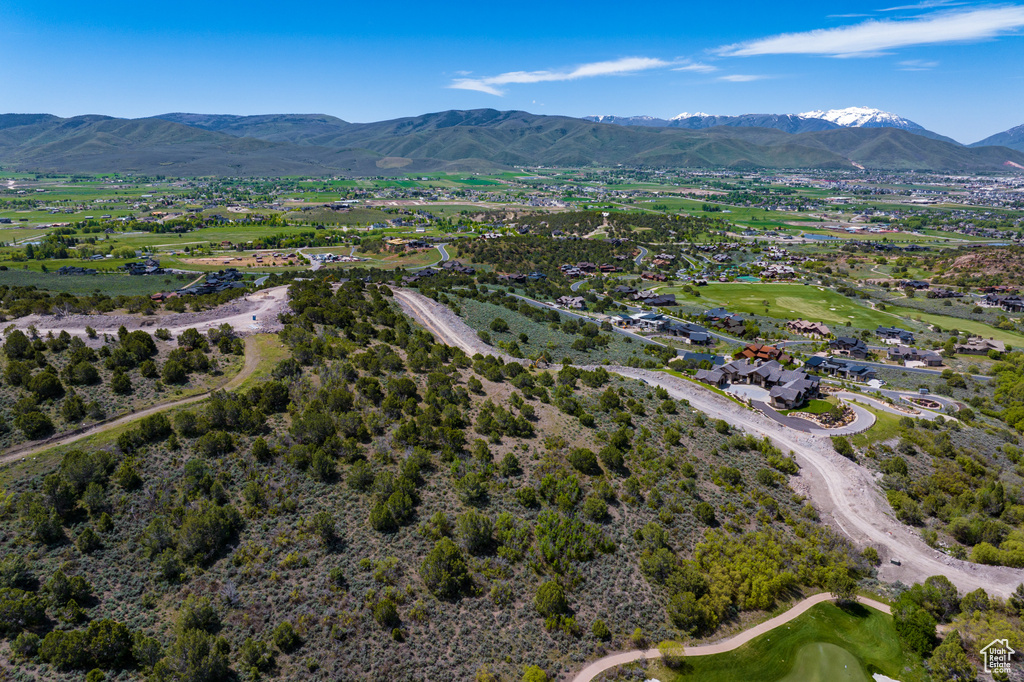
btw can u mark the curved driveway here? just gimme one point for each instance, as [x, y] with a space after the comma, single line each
[614, 660]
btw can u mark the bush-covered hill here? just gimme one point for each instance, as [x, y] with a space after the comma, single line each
[389, 508]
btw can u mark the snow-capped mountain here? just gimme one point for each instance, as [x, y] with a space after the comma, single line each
[810, 121]
[863, 117]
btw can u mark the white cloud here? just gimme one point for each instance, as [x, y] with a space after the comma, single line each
[492, 84]
[918, 65]
[742, 78]
[873, 37]
[697, 67]
[926, 4]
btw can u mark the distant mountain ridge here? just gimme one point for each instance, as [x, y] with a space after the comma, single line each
[811, 121]
[1012, 138]
[188, 144]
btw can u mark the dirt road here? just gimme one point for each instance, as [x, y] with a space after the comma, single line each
[845, 492]
[19, 452]
[263, 305]
[614, 660]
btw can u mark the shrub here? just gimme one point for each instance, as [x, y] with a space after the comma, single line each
[285, 637]
[444, 570]
[174, 372]
[843, 447]
[120, 383]
[475, 532]
[386, 613]
[584, 461]
[600, 630]
[550, 600]
[25, 646]
[34, 425]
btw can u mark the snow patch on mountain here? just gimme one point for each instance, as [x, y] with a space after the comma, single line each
[686, 115]
[862, 117]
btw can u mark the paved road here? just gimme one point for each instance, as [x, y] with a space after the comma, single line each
[845, 492]
[444, 257]
[643, 254]
[864, 421]
[20, 452]
[575, 286]
[614, 660]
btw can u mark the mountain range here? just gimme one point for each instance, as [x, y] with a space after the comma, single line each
[185, 144]
[811, 121]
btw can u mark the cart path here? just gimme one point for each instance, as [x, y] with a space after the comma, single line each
[846, 493]
[29, 449]
[614, 660]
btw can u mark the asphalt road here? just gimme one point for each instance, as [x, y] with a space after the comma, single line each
[643, 254]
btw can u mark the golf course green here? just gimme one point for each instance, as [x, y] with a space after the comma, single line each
[827, 644]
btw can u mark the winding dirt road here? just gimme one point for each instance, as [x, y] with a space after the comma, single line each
[614, 660]
[263, 305]
[845, 492]
[20, 452]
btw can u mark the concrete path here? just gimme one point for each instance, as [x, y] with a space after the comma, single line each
[614, 660]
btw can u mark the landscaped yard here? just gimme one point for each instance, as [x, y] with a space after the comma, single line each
[827, 644]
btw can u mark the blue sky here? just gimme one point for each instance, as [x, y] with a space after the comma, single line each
[954, 67]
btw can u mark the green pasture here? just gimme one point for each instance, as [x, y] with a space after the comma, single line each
[786, 302]
[825, 644]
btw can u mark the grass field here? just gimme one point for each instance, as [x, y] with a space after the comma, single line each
[944, 322]
[825, 644]
[786, 302]
[111, 285]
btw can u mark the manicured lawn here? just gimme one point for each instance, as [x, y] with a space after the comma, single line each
[886, 427]
[813, 407]
[944, 322]
[826, 643]
[786, 302]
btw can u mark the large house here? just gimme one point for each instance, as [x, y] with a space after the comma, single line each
[1011, 303]
[851, 346]
[762, 351]
[694, 334]
[577, 302]
[894, 335]
[788, 388]
[840, 367]
[905, 354]
[815, 330]
[979, 346]
[652, 298]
